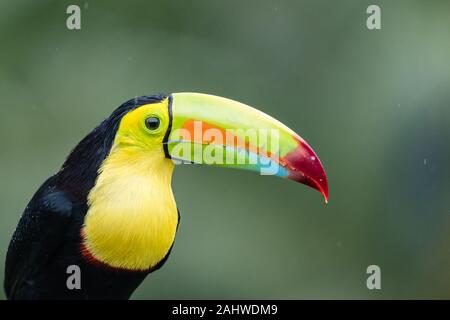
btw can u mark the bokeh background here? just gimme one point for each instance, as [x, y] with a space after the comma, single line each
[374, 104]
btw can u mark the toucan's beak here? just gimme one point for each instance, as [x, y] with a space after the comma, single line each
[207, 129]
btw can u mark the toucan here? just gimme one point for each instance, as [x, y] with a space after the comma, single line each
[110, 212]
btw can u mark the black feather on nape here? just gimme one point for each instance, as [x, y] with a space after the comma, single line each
[79, 172]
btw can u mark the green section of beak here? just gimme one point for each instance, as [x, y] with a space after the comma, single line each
[212, 130]
[224, 113]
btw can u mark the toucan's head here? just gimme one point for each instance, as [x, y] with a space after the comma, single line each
[206, 129]
[123, 169]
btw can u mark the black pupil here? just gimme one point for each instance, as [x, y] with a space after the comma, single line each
[152, 123]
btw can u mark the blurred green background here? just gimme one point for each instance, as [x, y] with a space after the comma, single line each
[375, 105]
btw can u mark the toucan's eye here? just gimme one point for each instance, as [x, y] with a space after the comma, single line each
[152, 123]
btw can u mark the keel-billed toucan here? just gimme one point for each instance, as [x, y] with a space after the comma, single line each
[110, 210]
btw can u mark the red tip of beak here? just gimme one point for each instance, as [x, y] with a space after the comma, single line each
[304, 166]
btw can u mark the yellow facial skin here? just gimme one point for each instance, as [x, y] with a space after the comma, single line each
[132, 217]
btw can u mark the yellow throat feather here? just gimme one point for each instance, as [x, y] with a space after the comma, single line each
[132, 217]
